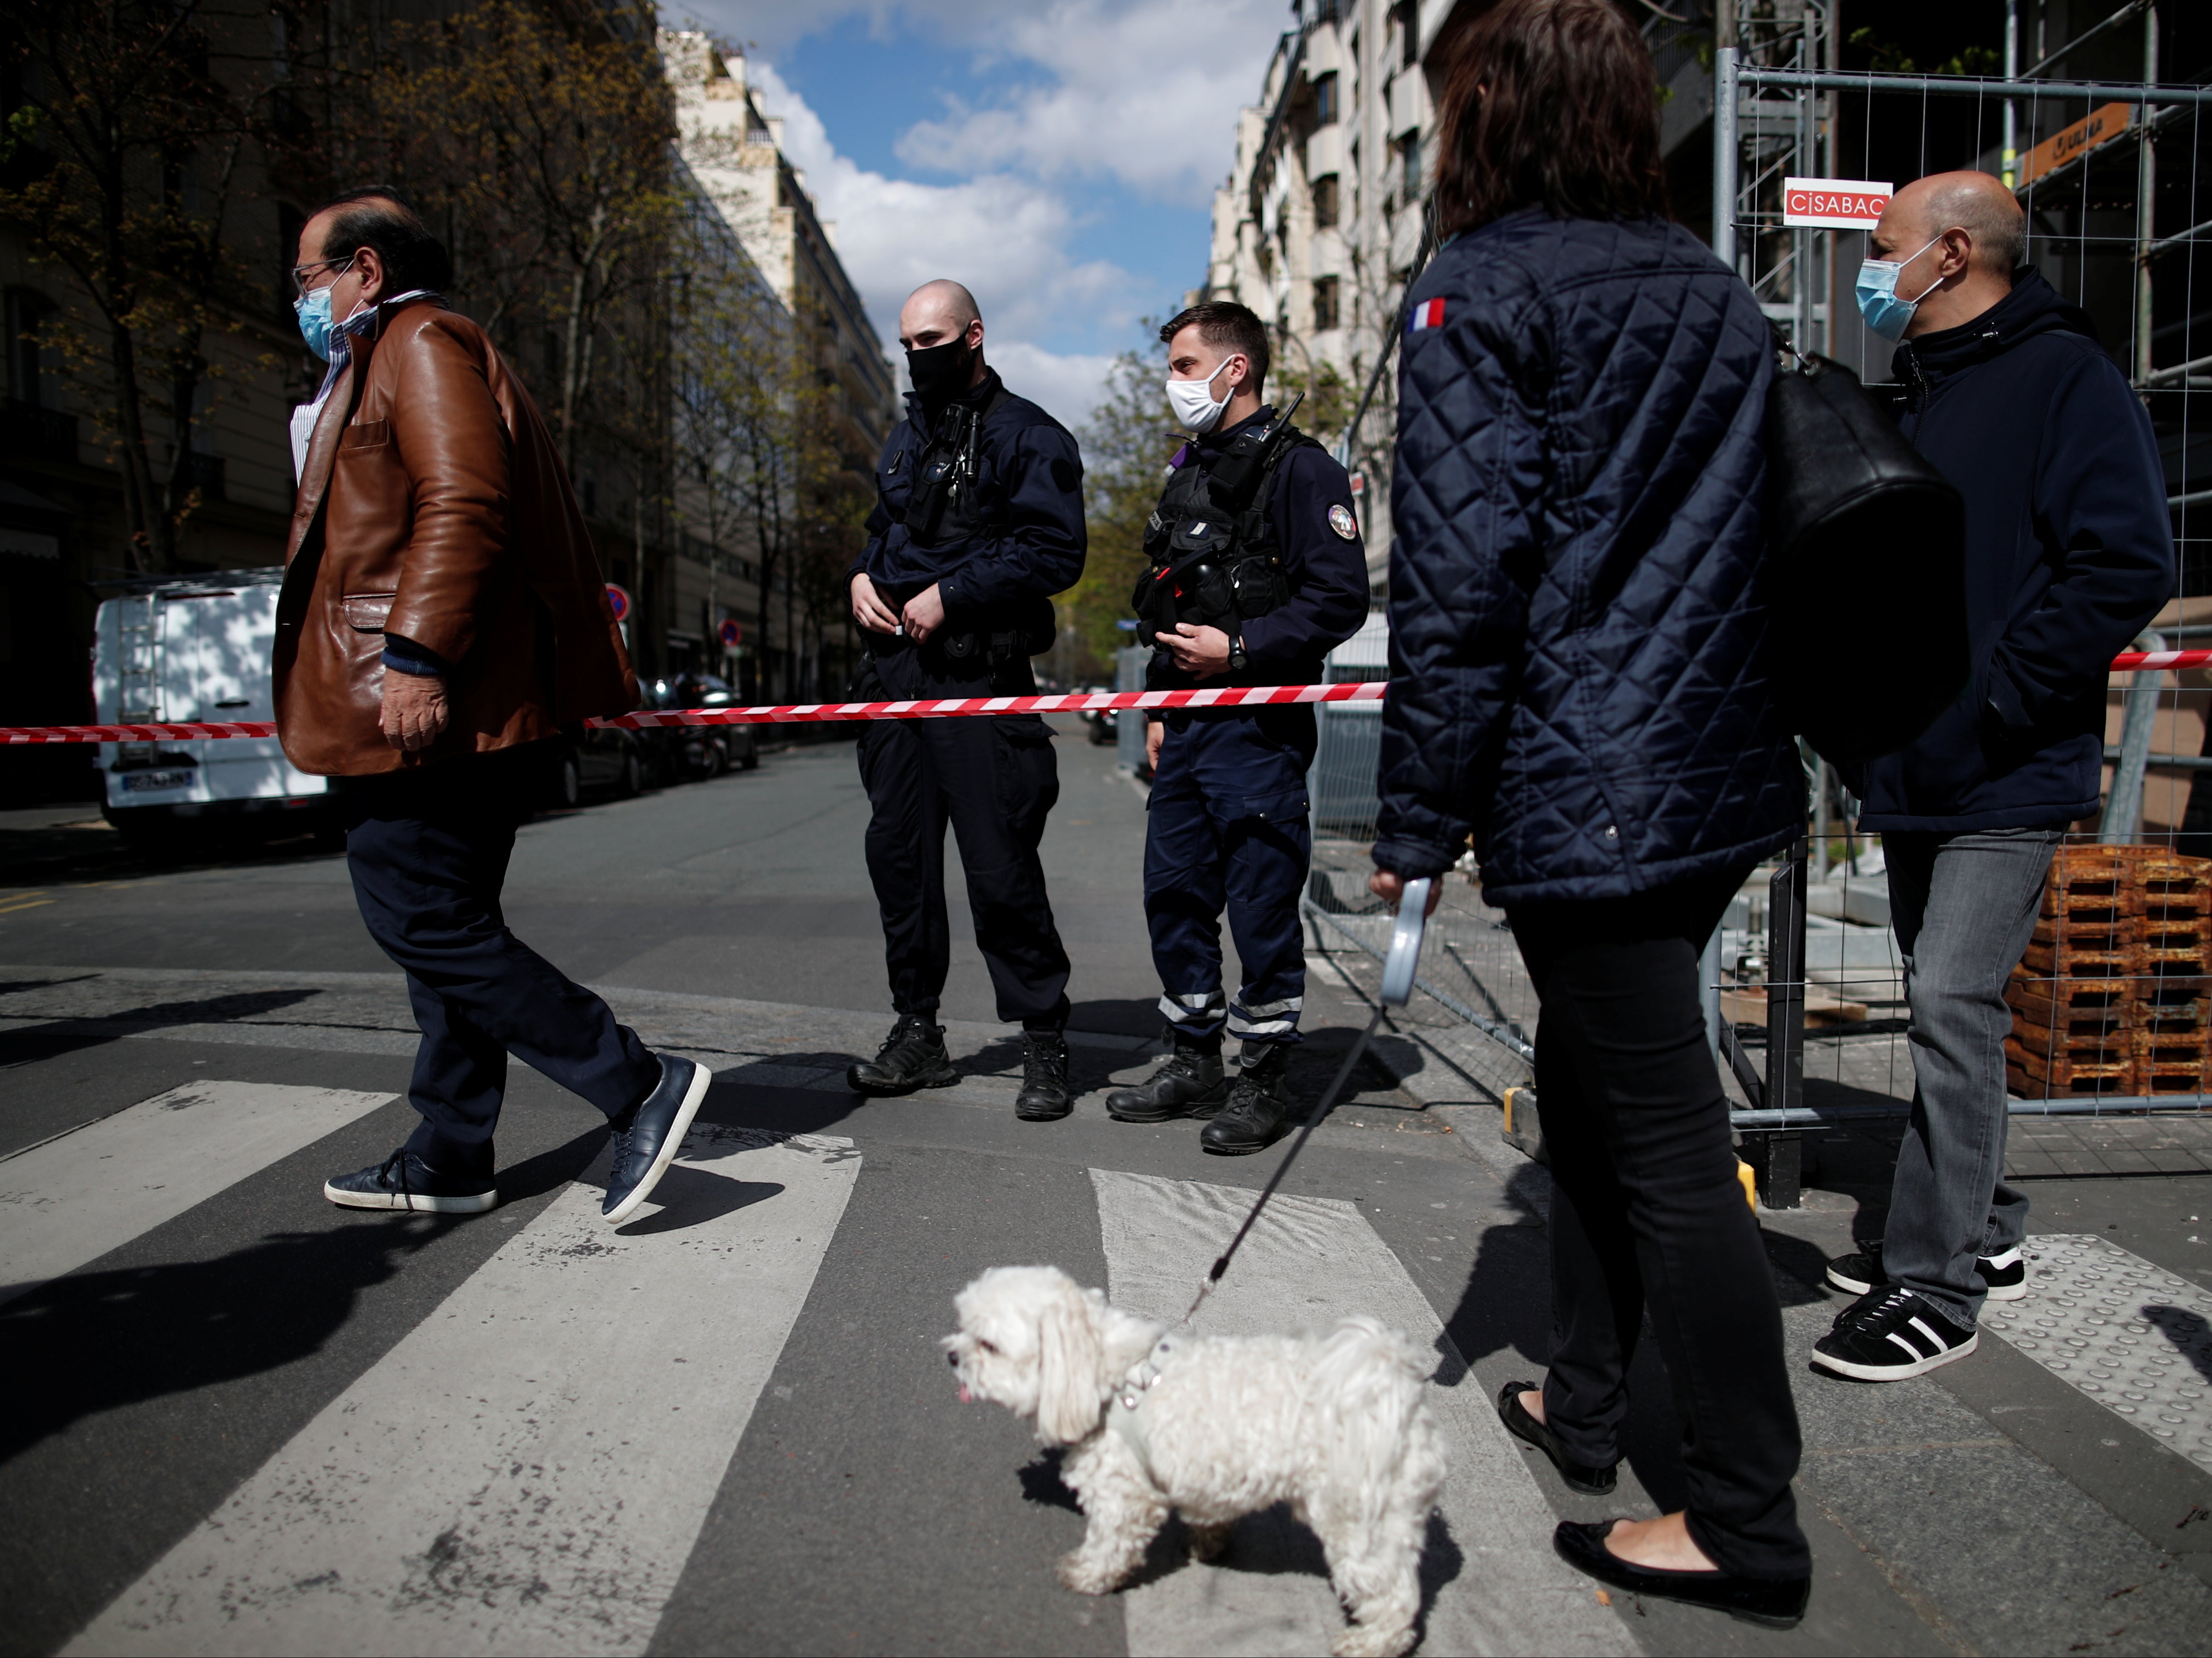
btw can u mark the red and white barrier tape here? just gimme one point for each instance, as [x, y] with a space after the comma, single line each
[797, 713]
[784, 713]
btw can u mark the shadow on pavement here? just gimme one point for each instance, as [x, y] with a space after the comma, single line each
[48, 1042]
[97, 1341]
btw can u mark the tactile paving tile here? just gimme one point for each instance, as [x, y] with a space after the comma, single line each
[2135, 1338]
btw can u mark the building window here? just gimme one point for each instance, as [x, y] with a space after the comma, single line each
[1325, 100]
[1409, 151]
[1409, 34]
[26, 311]
[1324, 301]
[1324, 201]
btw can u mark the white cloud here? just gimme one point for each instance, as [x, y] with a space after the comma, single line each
[1142, 91]
[1145, 91]
[1005, 237]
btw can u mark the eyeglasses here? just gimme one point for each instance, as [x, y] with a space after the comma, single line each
[300, 272]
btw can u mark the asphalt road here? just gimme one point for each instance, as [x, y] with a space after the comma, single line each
[238, 1420]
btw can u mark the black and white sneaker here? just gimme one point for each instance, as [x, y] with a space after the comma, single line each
[2004, 1276]
[403, 1181]
[1889, 1335]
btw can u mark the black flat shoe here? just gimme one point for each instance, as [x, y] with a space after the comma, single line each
[1578, 1476]
[1770, 1602]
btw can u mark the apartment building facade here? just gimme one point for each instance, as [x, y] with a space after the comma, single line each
[797, 643]
[1321, 216]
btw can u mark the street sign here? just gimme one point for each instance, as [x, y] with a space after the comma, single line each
[1833, 203]
[730, 634]
[618, 602]
[2099, 126]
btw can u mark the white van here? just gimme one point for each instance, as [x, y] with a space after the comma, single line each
[196, 648]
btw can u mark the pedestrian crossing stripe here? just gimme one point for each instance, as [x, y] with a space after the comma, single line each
[512, 1475]
[527, 1470]
[70, 1200]
[1160, 1237]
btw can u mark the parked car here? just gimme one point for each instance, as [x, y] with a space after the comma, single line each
[186, 648]
[599, 760]
[703, 751]
[1104, 730]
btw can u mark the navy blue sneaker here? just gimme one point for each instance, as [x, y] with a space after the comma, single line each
[403, 1181]
[647, 1138]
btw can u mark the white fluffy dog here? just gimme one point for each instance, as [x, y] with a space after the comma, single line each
[1215, 1428]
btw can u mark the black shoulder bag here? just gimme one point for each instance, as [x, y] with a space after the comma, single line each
[1869, 587]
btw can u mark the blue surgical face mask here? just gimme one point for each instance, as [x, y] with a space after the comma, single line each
[1886, 314]
[314, 311]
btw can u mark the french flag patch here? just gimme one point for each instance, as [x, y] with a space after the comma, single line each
[1429, 313]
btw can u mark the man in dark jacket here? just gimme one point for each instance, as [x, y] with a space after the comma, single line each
[2070, 554]
[1268, 513]
[978, 520]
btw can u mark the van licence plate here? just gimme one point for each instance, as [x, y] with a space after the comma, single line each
[136, 781]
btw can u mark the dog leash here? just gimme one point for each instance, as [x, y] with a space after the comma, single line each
[1397, 990]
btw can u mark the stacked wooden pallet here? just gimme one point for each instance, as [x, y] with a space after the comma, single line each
[2113, 994]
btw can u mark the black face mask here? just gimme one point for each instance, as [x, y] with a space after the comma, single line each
[940, 372]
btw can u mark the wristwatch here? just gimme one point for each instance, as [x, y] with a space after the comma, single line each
[1236, 656]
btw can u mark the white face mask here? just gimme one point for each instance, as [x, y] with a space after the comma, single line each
[1195, 410]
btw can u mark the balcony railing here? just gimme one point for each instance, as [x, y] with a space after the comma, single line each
[31, 432]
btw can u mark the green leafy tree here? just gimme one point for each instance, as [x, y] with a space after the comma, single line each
[1127, 444]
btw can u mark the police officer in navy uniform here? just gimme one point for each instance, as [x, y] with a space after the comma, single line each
[1254, 571]
[978, 520]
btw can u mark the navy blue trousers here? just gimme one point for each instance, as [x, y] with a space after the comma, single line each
[428, 851]
[995, 782]
[1231, 828]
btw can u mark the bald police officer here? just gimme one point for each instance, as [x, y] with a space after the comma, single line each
[1254, 571]
[978, 521]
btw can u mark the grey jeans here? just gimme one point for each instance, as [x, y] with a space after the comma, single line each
[1963, 906]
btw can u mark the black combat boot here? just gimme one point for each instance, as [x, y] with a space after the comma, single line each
[1189, 1082]
[1044, 1093]
[913, 1056]
[1257, 1105]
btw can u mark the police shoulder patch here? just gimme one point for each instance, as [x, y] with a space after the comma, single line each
[1341, 520]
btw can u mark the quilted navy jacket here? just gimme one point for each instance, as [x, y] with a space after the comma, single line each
[1578, 613]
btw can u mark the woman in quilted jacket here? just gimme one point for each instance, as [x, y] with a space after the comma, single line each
[1578, 612]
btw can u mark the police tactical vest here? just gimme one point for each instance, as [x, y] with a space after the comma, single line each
[1212, 556]
[940, 502]
[941, 507]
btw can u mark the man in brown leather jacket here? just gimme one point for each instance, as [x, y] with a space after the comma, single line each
[443, 615]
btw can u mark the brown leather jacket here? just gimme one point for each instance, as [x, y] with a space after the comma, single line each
[433, 505]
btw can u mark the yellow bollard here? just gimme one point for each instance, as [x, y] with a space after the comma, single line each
[1750, 1183]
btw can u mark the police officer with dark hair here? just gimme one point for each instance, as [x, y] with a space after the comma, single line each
[978, 520]
[1254, 571]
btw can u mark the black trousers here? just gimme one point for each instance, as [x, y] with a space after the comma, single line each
[995, 781]
[428, 851]
[1647, 1213]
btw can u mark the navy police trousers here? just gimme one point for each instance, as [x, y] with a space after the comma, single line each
[1231, 828]
[994, 780]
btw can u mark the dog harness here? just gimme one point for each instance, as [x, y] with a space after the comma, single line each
[1125, 1415]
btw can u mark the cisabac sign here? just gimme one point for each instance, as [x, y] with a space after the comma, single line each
[2099, 126]
[1833, 203]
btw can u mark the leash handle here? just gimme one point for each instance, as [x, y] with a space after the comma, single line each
[1398, 969]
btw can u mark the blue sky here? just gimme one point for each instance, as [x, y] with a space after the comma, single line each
[1059, 157]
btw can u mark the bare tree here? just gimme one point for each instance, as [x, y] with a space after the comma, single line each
[124, 163]
[547, 149]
